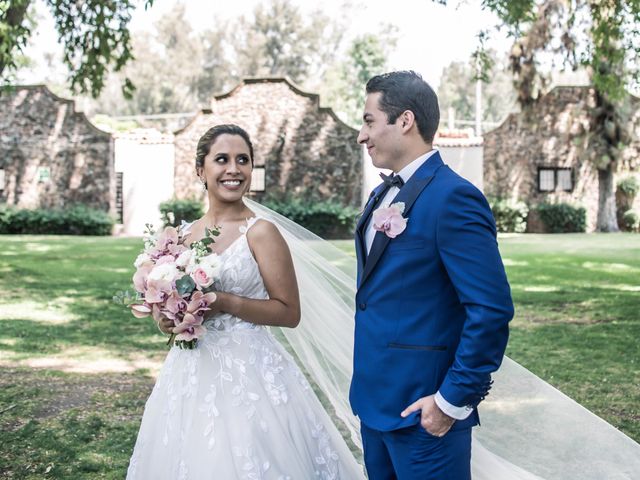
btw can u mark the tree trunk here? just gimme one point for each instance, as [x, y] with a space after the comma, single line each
[607, 221]
[12, 18]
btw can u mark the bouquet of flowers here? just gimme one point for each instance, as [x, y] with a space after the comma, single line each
[174, 281]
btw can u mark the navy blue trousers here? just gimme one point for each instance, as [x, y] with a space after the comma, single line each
[413, 454]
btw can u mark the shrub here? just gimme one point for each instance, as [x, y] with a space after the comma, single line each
[327, 219]
[631, 221]
[510, 216]
[75, 220]
[174, 211]
[562, 217]
[629, 186]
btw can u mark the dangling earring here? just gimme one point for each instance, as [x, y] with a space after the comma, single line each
[204, 185]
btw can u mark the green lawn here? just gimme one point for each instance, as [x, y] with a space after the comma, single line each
[76, 368]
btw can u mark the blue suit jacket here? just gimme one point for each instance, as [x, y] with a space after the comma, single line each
[433, 304]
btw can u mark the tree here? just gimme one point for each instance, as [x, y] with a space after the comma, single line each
[279, 40]
[602, 36]
[175, 69]
[366, 56]
[178, 70]
[94, 33]
[458, 85]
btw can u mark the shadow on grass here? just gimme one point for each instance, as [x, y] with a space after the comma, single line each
[59, 296]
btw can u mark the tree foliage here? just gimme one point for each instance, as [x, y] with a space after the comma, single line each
[94, 34]
[366, 56]
[458, 84]
[278, 39]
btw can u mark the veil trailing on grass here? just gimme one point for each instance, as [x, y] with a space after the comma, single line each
[529, 429]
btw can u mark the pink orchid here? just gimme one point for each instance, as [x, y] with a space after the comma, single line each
[158, 291]
[200, 301]
[167, 238]
[175, 305]
[196, 318]
[156, 313]
[140, 277]
[187, 332]
[141, 311]
[390, 220]
[177, 249]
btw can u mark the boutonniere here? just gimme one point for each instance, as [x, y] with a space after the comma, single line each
[390, 220]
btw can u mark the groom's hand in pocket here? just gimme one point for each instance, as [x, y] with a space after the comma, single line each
[432, 419]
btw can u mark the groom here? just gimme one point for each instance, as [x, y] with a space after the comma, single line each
[433, 303]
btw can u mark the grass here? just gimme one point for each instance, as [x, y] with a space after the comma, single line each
[77, 369]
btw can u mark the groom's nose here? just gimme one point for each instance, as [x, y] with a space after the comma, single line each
[362, 137]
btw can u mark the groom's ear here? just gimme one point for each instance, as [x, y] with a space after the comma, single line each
[407, 119]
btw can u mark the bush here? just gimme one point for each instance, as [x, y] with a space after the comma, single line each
[631, 221]
[174, 211]
[629, 186]
[510, 216]
[562, 217]
[326, 219]
[75, 220]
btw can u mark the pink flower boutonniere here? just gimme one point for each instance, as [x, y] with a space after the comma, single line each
[390, 220]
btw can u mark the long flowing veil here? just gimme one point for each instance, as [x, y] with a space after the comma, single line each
[529, 429]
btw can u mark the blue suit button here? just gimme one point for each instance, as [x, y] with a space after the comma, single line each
[363, 306]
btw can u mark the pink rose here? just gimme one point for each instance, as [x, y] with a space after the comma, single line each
[390, 220]
[202, 276]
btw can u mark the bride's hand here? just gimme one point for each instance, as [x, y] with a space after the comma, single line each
[218, 305]
[166, 325]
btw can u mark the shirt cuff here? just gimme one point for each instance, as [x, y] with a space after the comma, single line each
[459, 413]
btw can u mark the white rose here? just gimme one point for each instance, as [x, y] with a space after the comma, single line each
[184, 258]
[213, 262]
[167, 271]
[191, 265]
[142, 258]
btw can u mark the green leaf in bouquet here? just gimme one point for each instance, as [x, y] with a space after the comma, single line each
[185, 285]
[125, 298]
[212, 231]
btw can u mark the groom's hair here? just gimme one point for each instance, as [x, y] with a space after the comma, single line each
[406, 90]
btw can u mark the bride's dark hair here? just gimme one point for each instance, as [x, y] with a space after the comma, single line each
[210, 136]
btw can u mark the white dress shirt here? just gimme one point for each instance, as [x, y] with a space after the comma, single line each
[459, 413]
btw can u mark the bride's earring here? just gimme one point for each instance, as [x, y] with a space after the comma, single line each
[204, 185]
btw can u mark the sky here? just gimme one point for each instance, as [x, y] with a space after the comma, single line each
[430, 35]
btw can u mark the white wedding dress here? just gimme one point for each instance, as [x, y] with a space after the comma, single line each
[237, 406]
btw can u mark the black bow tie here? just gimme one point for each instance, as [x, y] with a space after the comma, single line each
[392, 180]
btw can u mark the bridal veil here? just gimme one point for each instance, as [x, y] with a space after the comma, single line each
[530, 430]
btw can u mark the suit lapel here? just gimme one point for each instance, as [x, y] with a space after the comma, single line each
[374, 199]
[408, 194]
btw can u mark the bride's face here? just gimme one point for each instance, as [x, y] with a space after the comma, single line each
[227, 168]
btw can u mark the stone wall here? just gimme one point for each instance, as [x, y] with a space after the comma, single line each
[306, 150]
[40, 131]
[553, 134]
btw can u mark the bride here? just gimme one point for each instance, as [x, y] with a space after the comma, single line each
[239, 407]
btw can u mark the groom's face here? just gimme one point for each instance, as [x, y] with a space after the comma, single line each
[381, 138]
